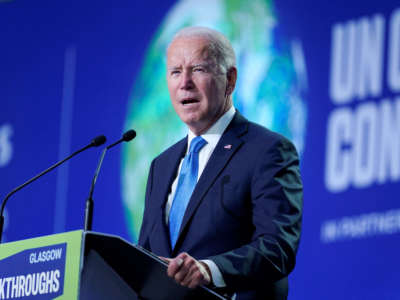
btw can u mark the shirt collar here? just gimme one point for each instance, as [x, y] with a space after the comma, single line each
[214, 133]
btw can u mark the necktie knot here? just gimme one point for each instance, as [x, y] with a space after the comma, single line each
[196, 144]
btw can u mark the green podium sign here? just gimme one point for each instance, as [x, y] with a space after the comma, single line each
[84, 265]
[46, 267]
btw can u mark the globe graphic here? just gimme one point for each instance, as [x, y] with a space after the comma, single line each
[269, 89]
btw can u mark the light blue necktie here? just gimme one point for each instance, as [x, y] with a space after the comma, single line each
[186, 183]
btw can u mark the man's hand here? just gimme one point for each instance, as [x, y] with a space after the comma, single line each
[187, 271]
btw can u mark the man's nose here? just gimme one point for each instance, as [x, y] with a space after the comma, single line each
[187, 81]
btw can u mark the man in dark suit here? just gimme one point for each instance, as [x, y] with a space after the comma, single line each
[224, 204]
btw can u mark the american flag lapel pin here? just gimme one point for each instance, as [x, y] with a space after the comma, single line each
[229, 146]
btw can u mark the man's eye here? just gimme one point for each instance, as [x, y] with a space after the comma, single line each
[175, 72]
[199, 70]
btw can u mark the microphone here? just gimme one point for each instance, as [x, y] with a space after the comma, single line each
[126, 137]
[97, 141]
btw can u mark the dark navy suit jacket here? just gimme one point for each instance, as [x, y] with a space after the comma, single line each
[244, 213]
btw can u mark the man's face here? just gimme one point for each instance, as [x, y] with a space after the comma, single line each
[197, 86]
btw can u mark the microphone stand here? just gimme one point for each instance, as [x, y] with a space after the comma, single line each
[96, 142]
[89, 201]
[127, 136]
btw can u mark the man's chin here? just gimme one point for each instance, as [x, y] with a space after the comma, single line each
[191, 120]
[199, 128]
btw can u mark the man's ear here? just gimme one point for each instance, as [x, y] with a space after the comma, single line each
[231, 76]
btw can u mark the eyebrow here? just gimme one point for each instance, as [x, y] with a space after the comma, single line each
[173, 68]
[202, 65]
[206, 64]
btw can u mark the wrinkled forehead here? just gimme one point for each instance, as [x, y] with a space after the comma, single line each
[190, 50]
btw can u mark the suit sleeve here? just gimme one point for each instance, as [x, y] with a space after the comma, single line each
[145, 228]
[276, 198]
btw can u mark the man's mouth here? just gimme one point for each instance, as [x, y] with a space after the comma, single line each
[189, 101]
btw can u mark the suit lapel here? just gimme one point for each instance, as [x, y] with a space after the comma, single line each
[227, 146]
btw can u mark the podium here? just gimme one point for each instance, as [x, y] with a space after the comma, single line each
[87, 266]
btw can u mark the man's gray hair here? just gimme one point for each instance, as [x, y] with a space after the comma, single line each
[219, 45]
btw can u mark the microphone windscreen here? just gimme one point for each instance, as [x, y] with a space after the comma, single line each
[129, 135]
[99, 140]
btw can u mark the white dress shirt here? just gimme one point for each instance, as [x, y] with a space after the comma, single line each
[212, 136]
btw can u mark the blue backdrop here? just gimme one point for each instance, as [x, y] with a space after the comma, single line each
[325, 74]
